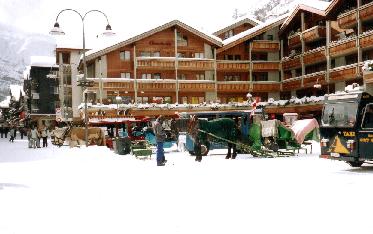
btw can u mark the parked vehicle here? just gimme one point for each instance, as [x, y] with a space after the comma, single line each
[347, 128]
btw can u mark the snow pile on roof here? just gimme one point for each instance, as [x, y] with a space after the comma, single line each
[16, 91]
[254, 29]
[294, 101]
[43, 61]
[5, 103]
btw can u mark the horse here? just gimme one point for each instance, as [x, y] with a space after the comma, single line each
[223, 129]
[76, 135]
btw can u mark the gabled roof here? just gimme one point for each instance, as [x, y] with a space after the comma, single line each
[297, 11]
[92, 54]
[246, 20]
[252, 32]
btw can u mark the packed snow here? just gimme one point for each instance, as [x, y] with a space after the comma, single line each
[93, 190]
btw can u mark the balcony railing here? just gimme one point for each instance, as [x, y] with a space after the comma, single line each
[291, 63]
[195, 64]
[314, 33]
[196, 85]
[265, 66]
[366, 39]
[119, 86]
[314, 56]
[366, 11]
[292, 84]
[265, 46]
[310, 80]
[266, 86]
[345, 46]
[343, 73]
[156, 63]
[240, 66]
[233, 86]
[294, 40]
[348, 19]
[156, 86]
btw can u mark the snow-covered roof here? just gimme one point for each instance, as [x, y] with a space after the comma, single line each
[112, 43]
[16, 90]
[312, 6]
[238, 22]
[252, 32]
[43, 61]
[5, 103]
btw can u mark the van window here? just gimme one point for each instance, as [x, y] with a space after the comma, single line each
[342, 114]
[368, 117]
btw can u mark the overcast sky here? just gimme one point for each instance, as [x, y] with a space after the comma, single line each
[126, 16]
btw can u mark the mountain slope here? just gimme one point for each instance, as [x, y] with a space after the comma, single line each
[16, 48]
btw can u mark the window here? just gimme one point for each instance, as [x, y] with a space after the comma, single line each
[156, 54]
[237, 57]
[228, 34]
[125, 55]
[342, 114]
[181, 55]
[66, 58]
[146, 76]
[228, 57]
[260, 76]
[181, 76]
[182, 40]
[270, 37]
[368, 117]
[157, 76]
[145, 54]
[184, 100]
[199, 55]
[125, 75]
[200, 76]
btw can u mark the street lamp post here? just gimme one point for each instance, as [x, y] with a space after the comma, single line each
[84, 83]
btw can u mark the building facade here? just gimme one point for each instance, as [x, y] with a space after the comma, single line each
[315, 45]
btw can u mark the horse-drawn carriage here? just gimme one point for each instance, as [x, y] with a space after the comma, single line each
[244, 131]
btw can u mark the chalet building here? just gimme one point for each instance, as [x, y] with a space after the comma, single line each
[168, 64]
[42, 89]
[322, 44]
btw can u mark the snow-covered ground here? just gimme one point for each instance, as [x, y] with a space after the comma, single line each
[92, 190]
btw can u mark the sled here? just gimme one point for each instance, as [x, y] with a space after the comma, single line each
[141, 149]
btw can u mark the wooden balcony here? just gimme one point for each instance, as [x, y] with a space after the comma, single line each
[348, 19]
[229, 86]
[311, 79]
[156, 87]
[292, 85]
[343, 73]
[194, 64]
[259, 66]
[343, 47]
[119, 86]
[366, 12]
[266, 86]
[155, 64]
[291, 63]
[294, 40]
[234, 66]
[265, 46]
[314, 56]
[190, 86]
[314, 33]
[366, 39]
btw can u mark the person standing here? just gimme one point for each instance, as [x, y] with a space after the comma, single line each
[29, 139]
[1, 131]
[34, 136]
[44, 135]
[12, 133]
[160, 137]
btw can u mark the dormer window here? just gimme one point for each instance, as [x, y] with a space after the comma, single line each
[182, 40]
[228, 34]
